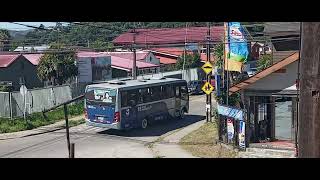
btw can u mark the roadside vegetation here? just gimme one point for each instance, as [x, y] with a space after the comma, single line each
[202, 143]
[37, 120]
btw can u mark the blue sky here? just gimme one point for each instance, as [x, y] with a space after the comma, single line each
[10, 26]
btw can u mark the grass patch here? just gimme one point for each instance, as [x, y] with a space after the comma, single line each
[36, 119]
[201, 143]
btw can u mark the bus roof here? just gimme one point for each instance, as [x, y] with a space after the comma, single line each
[124, 84]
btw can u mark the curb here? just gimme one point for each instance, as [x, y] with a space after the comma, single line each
[40, 130]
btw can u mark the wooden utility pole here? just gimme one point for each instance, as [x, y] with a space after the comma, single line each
[309, 108]
[134, 66]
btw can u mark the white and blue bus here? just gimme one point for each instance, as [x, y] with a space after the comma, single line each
[130, 104]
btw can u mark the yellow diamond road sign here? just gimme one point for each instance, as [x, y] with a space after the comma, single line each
[207, 67]
[207, 88]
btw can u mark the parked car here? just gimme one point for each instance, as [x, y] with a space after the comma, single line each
[194, 87]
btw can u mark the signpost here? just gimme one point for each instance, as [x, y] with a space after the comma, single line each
[23, 92]
[207, 88]
[207, 67]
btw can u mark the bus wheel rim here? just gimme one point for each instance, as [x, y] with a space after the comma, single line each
[182, 113]
[144, 123]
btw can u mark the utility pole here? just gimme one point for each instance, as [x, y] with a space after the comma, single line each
[134, 68]
[208, 79]
[309, 108]
[227, 63]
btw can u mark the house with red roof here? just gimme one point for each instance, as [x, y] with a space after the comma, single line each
[121, 63]
[176, 38]
[163, 36]
[20, 69]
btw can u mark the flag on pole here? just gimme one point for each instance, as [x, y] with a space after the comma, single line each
[236, 48]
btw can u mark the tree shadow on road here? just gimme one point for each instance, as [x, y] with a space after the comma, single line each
[157, 129]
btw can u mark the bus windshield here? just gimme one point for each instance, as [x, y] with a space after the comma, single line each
[101, 96]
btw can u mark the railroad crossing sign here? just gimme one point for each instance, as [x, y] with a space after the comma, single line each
[207, 88]
[207, 67]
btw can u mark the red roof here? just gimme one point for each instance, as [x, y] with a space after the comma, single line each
[6, 59]
[173, 51]
[118, 62]
[140, 55]
[126, 64]
[33, 58]
[166, 60]
[170, 35]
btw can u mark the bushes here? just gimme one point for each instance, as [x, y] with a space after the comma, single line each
[36, 119]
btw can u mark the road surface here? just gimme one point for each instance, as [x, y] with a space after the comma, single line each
[94, 142]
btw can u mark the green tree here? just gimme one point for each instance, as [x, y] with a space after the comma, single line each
[218, 53]
[57, 67]
[264, 62]
[4, 40]
[192, 60]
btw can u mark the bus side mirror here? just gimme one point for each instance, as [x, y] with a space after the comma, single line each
[132, 102]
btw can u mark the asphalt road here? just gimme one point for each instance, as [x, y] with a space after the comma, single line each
[93, 142]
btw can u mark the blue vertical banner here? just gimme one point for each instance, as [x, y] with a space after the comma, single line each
[242, 137]
[237, 50]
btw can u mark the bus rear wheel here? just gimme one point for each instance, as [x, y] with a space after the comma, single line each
[144, 123]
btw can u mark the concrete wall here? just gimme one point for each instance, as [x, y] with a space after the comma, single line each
[277, 81]
[21, 68]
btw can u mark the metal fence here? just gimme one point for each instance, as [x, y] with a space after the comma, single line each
[12, 104]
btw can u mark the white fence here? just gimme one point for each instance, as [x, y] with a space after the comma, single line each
[11, 104]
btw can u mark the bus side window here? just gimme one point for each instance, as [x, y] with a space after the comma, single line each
[147, 95]
[140, 96]
[184, 92]
[155, 93]
[169, 91]
[124, 99]
[132, 97]
[177, 91]
[144, 95]
[163, 92]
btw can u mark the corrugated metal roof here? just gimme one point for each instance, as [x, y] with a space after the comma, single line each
[166, 60]
[242, 85]
[140, 55]
[280, 55]
[281, 28]
[7, 59]
[33, 58]
[170, 35]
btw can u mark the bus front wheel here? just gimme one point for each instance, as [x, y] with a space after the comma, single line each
[144, 123]
[181, 114]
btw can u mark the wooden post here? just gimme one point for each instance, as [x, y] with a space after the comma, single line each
[72, 150]
[309, 109]
[67, 127]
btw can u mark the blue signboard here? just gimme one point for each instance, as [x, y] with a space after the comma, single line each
[230, 112]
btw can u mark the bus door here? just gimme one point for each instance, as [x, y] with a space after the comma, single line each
[177, 98]
[128, 108]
